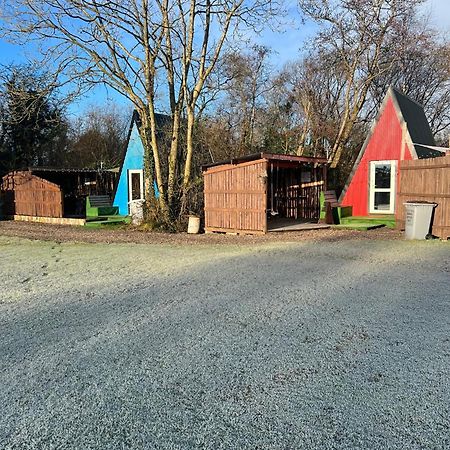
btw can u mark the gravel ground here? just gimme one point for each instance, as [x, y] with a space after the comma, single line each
[263, 345]
[61, 233]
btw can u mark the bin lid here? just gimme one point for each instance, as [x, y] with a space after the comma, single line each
[419, 203]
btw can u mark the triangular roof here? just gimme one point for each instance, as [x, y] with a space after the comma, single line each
[162, 122]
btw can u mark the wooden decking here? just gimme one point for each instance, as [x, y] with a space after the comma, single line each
[51, 220]
[281, 224]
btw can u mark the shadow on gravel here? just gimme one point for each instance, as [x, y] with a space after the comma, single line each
[294, 347]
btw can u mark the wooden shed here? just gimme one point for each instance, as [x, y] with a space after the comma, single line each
[29, 195]
[263, 192]
[52, 193]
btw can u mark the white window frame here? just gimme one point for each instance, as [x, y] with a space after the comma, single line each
[141, 179]
[391, 190]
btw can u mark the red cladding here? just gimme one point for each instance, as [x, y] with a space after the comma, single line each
[385, 144]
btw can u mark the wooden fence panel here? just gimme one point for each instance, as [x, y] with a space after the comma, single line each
[28, 195]
[426, 180]
[235, 198]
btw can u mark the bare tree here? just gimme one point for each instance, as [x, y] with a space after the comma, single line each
[422, 71]
[147, 51]
[192, 51]
[244, 100]
[316, 85]
[282, 118]
[97, 138]
[356, 33]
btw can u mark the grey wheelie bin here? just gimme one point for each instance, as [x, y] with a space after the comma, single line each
[418, 219]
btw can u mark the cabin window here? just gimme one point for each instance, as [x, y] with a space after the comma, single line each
[382, 187]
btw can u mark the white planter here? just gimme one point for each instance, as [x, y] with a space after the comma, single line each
[137, 211]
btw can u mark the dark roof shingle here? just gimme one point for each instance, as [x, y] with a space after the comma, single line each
[417, 123]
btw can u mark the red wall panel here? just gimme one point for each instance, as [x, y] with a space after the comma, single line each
[385, 144]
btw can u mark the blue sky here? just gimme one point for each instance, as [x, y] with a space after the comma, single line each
[286, 45]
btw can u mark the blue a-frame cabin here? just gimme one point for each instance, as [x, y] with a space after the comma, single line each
[131, 179]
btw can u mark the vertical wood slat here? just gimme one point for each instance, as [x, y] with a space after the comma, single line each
[235, 198]
[294, 199]
[28, 195]
[426, 180]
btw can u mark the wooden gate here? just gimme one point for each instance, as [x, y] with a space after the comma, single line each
[426, 180]
[235, 197]
[28, 195]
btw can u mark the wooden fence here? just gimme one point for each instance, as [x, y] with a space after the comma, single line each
[28, 195]
[426, 180]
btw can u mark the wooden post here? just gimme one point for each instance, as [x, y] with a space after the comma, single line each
[329, 213]
[266, 168]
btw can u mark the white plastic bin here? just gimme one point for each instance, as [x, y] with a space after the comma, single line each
[193, 225]
[418, 219]
[137, 211]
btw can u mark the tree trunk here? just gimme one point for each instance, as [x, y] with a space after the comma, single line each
[347, 126]
[152, 167]
[173, 156]
[307, 110]
[338, 147]
[189, 146]
[189, 153]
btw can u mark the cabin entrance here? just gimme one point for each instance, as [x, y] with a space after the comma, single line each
[382, 187]
[135, 186]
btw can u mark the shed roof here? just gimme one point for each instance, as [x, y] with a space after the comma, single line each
[424, 151]
[269, 157]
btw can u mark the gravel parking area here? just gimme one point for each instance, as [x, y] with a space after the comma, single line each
[127, 234]
[326, 344]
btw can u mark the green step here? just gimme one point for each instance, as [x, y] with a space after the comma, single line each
[362, 226]
[97, 222]
[387, 220]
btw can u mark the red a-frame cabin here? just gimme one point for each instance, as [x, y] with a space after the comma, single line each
[400, 132]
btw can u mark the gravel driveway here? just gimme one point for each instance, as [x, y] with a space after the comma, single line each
[273, 345]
